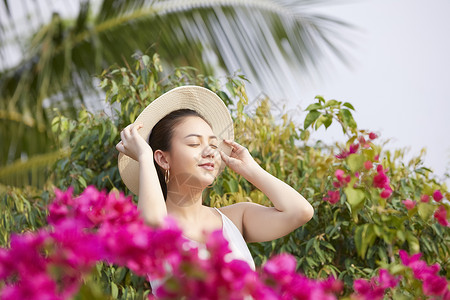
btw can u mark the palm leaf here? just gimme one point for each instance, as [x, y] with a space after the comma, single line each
[33, 171]
[269, 41]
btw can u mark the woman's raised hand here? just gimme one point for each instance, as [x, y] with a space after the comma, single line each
[240, 160]
[132, 144]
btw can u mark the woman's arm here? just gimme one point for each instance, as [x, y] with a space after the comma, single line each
[151, 202]
[260, 223]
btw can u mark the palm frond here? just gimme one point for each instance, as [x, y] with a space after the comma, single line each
[271, 42]
[33, 171]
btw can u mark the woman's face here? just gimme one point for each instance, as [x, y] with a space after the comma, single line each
[194, 158]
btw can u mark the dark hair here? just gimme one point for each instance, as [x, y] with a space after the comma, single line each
[161, 137]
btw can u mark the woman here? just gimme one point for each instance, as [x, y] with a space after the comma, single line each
[190, 140]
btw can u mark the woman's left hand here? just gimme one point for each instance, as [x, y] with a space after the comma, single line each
[240, 160]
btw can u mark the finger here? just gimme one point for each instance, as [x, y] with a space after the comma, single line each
[125, 131]
[120, 147]
[224, 157]
[233, 144]
[135, 128]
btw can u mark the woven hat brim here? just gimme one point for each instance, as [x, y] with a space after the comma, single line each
[197, 98]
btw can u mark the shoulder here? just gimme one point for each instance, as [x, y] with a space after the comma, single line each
[235, 212]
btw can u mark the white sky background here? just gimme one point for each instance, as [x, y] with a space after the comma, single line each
[399, 82]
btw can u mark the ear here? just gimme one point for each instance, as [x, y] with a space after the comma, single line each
[162, 159]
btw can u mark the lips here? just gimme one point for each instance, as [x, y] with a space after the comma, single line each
[208, 166]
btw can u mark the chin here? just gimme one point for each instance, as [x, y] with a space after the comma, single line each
[208, 180]
[202, 180]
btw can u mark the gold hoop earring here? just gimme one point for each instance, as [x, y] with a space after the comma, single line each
[166, 176]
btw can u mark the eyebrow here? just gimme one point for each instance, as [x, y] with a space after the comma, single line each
[198, 135]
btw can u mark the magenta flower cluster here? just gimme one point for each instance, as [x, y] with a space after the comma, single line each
[96, 226]
[381, 180]
[376, 287]
[433, 285]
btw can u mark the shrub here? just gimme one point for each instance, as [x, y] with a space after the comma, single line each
[373, 210]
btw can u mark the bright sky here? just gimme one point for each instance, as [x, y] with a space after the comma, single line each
[399, 82]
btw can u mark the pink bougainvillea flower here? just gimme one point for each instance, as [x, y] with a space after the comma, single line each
[377, 157]
[343, 154]
[363, 142]
[386, 280]
[280, 266]
[380, 180]
[339, 174]
[441, 216]
[435, 286]
[406, 259]
[425, 198]
[372, 135]
[97, 226]
[59, 208]
[368, 165]
[342, 179]
[333, 197]
[386, 193]
[409, 204]
[353, 148]
[437, 195]
[380, 169]
[376, 287]
[332, 285]
[367, 290]
[432, 283]
[290, 285]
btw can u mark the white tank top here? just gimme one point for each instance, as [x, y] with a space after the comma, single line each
[236, 243]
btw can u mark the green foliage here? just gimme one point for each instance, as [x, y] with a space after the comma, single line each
[22, 210]
[353, 238]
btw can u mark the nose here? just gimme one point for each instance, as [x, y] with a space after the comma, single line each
[208, 151]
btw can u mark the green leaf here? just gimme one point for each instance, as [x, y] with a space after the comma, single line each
[328, 121]
[348, 118]
[413, 242]
[313, 106]
[355, 162]
[309, 244]
[114, 290]
[331, 103]
[82, 182]
[319, 122]
[425, 210]
[310, 118]
[304, 135]
[355, 197]
[346, 104]
[145, 60]
[320, 98]
[364, 238]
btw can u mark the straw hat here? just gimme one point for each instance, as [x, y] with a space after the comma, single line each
[197, 98]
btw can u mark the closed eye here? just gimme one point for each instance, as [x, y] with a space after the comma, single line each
[213, 146]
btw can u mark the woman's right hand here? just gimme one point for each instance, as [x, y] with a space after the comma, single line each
[132, 143]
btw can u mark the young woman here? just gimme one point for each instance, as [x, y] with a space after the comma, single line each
[189, 132]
